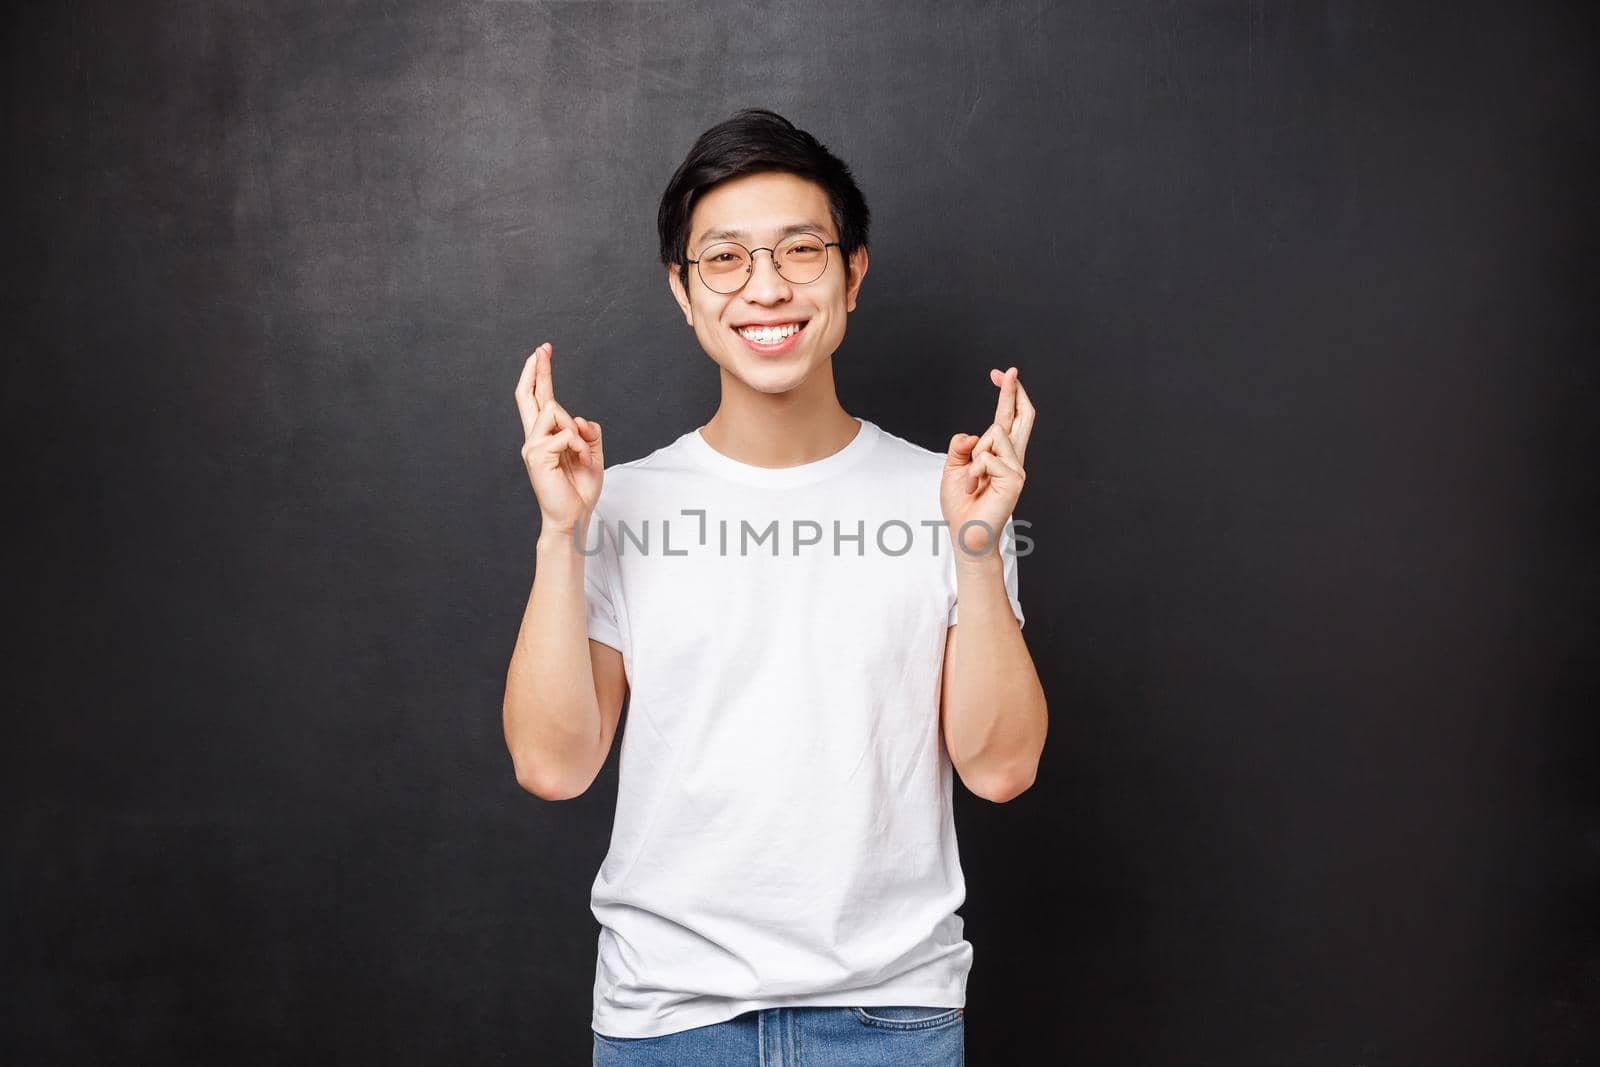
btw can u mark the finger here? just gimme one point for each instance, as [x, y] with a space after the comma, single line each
[1008, 399]
[1022, 428]
[527, 406]
[544, 423]
[559, 414]
[978, 476]
[997, 470]
[1005, 407]
[975, 447]
[544, 388]
[986, 442]
[591, 433]
[1002, 447]
[996, 444]
[563, 442]
[959, 454]
[565, 421]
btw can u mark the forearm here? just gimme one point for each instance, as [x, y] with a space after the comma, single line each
[994, 710]
[551, 713]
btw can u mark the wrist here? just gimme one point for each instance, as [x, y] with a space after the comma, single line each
[558, 539]
[984, 562]
[976, 545]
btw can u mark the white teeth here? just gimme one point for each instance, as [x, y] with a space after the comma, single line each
[769, 335]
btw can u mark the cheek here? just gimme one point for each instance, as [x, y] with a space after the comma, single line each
[709, 320]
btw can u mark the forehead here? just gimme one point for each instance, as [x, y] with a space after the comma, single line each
[760, 207]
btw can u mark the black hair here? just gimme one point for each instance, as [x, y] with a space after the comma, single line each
[757, 141]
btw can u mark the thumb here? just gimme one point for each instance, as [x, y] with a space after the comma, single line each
[960, 452]
[590, 431]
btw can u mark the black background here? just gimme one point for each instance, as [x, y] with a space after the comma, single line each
[1304, 294]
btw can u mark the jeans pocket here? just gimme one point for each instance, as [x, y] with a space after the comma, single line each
[908, 1017]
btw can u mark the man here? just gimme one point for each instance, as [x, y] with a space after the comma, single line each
[776, 593]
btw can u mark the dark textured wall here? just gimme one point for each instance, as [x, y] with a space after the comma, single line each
[1304, 294]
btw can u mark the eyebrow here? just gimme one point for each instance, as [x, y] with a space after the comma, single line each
[740, 235]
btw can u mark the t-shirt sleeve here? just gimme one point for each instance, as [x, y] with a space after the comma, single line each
[1008, 561]
[599, 572]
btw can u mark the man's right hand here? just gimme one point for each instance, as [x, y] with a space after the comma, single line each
[562, 453]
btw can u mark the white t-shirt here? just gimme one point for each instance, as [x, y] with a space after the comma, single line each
[783, 832]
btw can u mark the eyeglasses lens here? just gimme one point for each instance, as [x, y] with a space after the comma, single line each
[726, 267]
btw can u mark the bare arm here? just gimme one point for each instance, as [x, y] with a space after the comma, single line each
[991, 704]
[564, 692]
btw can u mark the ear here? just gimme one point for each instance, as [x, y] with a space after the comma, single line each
[858, 271]
[676, 285]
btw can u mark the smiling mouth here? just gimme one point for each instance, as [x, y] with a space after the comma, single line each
[801, 323]
[773, 349]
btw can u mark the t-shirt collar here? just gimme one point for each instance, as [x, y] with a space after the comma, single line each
[782, 477]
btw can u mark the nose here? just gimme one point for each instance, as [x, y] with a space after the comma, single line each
[765, 284]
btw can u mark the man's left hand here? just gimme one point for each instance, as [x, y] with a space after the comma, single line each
[983, 475]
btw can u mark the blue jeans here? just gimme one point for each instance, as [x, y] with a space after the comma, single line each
[896, 1036]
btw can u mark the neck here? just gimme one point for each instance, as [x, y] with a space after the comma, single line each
[787, 429]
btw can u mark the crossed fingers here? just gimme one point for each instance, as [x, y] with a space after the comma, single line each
[1013, 412]
[542, 415]
[1005, 442]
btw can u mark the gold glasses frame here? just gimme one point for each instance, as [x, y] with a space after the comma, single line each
[750, 267]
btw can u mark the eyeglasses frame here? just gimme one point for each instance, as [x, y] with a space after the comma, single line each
[750, 268]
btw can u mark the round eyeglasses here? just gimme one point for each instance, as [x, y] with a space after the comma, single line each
[725, 267]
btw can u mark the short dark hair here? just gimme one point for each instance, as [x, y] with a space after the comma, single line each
[757, 141]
